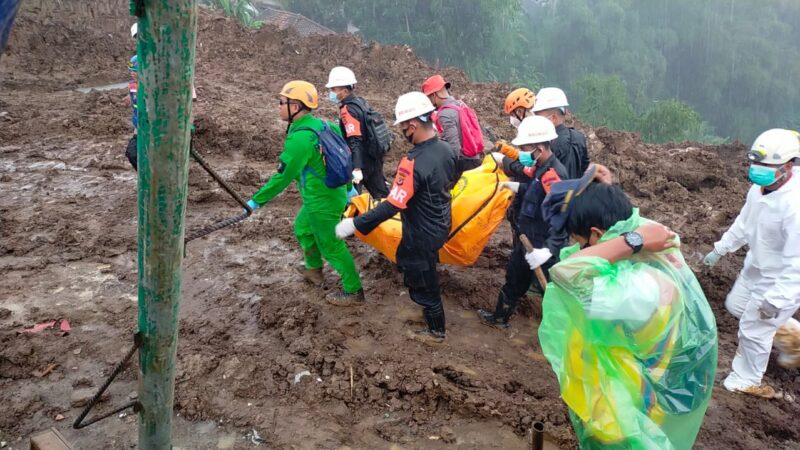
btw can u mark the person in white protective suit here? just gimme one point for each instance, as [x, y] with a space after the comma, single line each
[767, 292]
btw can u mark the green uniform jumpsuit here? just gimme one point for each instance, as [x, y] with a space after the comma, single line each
[322, 208]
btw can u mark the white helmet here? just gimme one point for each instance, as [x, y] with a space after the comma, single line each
[535, 130]
[550, 98]
[134, 29]
[776, 146]
[341, 76]
[412, 105]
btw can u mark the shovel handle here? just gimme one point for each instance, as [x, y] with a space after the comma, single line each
[537, 271]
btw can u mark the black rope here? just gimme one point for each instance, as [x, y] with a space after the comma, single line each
[217, 178]
[215, 227]
[224, 223]
[137, 342]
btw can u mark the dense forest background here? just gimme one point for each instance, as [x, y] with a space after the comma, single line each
[673, 70]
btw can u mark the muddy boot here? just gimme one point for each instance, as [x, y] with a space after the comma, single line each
[342, 298]
[764, 391]
[489, 319]
[312, 276]
[502, 313]
[787, 342]
[434, 334]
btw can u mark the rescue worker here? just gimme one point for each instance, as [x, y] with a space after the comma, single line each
[767, 292]
[421, 195]
[448, 122]
[570, 146]
[133, 88]
[367, 163]
[542, 169]
[519, 105]
[315, 224]
[626, 327]
[133, 91]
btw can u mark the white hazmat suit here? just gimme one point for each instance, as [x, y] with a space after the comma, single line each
[767, 292]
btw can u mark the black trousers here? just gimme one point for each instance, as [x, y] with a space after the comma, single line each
[374, 179]
[519, 277]
[422, 281]
[130, 152]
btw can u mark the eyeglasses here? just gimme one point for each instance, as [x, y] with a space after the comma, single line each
[287, 102]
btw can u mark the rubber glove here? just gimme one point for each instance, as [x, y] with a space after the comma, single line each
[345, 228]
[537, 257]
[512, 186]
[712, 258]
[506, 149]
[352, 193]
[526, 159]
[252, 204]
[358, 176]
[767, 311]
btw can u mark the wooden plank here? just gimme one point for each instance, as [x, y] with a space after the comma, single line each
[50, 440]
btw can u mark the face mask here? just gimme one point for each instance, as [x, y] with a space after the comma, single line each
[526, 159]
[332, 97]
[514, 121]
[410, 137]
[763, 176]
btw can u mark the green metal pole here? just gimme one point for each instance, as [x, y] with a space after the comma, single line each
[166, 48]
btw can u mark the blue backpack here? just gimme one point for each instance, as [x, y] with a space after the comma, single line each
[335, 155]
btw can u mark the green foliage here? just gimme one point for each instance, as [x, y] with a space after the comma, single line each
[669, 121]
[604, 102]
[484, 37]
[243, 10]
[733, 62]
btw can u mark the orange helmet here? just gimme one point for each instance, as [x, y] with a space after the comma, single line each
[302, 91]
[521, 97]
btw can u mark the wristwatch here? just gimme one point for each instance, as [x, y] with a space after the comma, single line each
[634, 241]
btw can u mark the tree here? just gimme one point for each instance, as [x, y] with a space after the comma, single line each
[670, 121]
[604, 102]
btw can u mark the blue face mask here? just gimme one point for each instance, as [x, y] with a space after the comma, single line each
[332, 97]
[763, 176]
[526, 159]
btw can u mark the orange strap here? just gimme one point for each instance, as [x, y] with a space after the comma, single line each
[548, 179]
[352, 126]
[403, 187]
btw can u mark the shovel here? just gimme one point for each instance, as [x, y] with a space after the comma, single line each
[537, 271]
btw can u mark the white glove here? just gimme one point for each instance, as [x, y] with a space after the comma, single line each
[512, 186]
[537, 257]
[712, 258]
[767, 311]
[498, 157]
[357, 176]
[345, 228]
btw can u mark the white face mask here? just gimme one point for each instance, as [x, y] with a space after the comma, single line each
[514, 121]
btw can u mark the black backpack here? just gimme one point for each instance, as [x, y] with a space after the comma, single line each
[377, 137]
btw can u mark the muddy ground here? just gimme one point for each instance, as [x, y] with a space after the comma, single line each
[249, 325]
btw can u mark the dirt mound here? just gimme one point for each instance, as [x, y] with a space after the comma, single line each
[60, 45]
[259, 349]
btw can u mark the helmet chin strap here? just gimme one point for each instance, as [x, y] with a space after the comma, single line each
[291, 115]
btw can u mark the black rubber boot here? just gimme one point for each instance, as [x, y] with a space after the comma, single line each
[488, 318]
[435, 332]
[502, 312]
